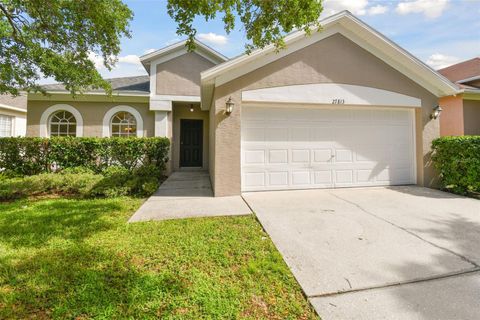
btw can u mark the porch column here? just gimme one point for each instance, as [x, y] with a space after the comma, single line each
[161, 109]
[161, 123]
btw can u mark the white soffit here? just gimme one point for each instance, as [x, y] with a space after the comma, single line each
[331, 93]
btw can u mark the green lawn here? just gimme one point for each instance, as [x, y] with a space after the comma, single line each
[79, 259]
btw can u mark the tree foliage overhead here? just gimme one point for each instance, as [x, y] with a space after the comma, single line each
[264, 21]
[54, 38]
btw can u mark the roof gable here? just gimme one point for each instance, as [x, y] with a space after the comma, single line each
[350, 27]
[177, 49]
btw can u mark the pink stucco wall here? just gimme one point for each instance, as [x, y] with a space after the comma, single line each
[451, 119]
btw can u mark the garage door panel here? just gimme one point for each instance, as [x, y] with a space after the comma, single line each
[254, 156]
[300, 156]
[323, 177]
[278, 156]
[300, 178]
[322, 156]
[254, 180]
[322, 148]
[344, 176]
[278, 178]
[343, 155]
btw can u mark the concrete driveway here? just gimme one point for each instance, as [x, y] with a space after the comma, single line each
[379, 253]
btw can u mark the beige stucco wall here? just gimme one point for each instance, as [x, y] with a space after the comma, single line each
[92, 114]
[182, 111]
[451, 118]
[181, 75]
[332, 60]
[471, 116]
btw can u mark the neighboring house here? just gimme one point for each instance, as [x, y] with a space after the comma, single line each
[13, 115]
[461, 113]
[342, 107]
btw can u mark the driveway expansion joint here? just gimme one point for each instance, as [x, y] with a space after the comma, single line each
[473, 263]
[399, 283]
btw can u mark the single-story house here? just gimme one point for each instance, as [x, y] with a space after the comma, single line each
[342, 107]
[13, 115]
[461, 112]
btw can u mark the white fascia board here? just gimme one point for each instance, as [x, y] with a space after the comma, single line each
[4, 106]
[393, 54]
[469, 79]
[332, 94]
[201, 48]
[246, 58]
[273, 56]
[383, 48]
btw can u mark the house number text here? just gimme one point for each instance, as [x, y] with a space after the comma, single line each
[338, 101]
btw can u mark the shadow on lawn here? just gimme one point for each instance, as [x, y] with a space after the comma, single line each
[36, 223]
[450, 298]
[83, 281]
[52, 272]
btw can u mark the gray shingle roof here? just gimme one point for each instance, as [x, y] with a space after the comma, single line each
[136, 84]
[17, 102]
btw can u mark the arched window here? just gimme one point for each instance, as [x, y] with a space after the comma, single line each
[63, 123]
[123, 124]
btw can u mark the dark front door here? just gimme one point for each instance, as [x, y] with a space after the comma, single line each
[191, 146]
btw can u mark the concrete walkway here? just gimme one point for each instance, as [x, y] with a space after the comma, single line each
[378, 253]
[188, 194]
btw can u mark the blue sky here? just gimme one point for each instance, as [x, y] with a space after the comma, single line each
[439, 32]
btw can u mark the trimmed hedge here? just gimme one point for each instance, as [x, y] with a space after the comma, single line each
[458, 161]
[30, 156]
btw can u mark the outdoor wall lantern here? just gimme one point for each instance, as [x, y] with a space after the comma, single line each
[191, 108]
[436, 112]
[229, 106]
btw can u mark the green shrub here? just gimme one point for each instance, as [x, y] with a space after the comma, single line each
[458, 161]
[83, 182]
[78, 184]
[24, 156]
[31, 156]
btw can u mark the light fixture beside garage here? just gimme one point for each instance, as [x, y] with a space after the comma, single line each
[229, 106]
[191, 108]
[436, 112]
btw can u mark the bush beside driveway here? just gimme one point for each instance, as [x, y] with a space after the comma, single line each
[457, 160]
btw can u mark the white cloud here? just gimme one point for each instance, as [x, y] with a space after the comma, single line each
[130, 59]
[430, 8]
[96, 59]
[128, 65]
[357, 7]
[439, 61]
[213, 38]
[149, 51]
[378, 9]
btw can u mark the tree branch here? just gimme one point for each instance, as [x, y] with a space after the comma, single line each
[10, 19]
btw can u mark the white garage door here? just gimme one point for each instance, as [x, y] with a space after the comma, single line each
[299, 148]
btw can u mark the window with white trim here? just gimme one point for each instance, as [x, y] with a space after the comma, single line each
[6, 125]
[123, 124]
[63, 124]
